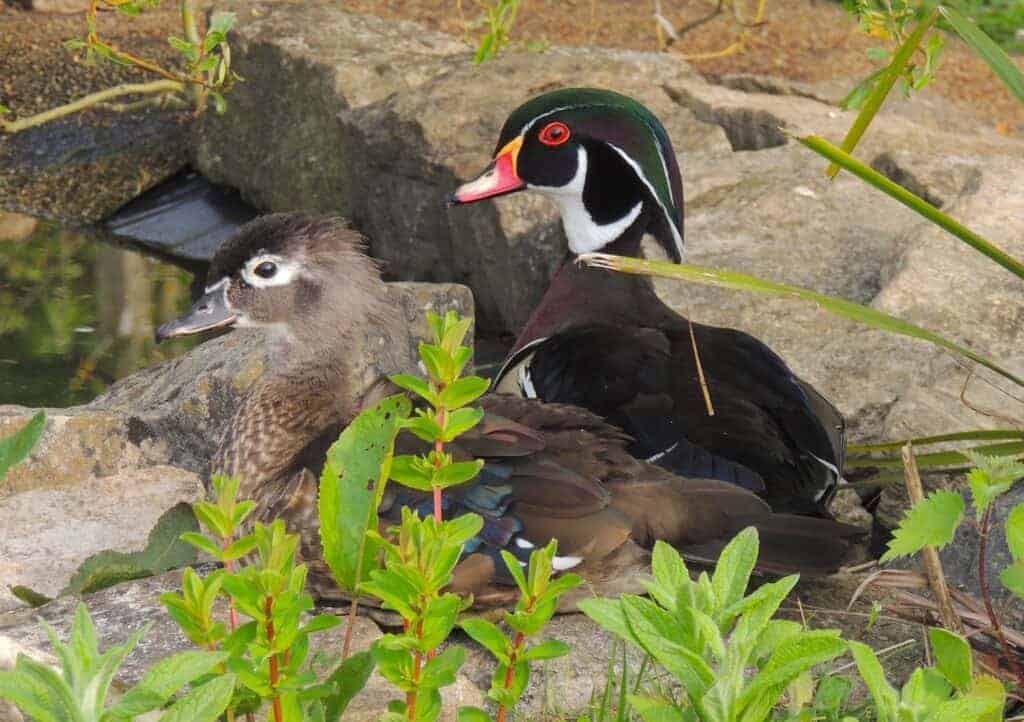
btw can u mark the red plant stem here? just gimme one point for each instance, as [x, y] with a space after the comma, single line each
[275, 673]
[229, 565]
[417, 660]
[517, 644]
[1011, 658]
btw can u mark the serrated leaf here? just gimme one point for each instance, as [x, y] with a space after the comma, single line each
[17, 446]
[932, 521]
[1015, 532]
[952, 657]
[1012, 578]
[355, 472]
[203, 704]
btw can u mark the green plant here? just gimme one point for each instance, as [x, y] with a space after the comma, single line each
[707, 633]
[269, 655]
[934, 520]
[497, 18]
[78, 692]
[207, 73]
[948, 691]
[538, 600]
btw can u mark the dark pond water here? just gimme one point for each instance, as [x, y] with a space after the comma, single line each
[76, 314]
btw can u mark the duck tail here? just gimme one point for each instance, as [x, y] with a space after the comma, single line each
[791, 544]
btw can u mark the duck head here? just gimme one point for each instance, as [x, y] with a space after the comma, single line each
[306, 278]
[602, 157]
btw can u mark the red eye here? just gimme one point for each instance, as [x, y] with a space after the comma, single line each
[554, 133]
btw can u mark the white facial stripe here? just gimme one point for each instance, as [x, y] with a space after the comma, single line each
[583, 233]
[643, 178]
[544, 115]
[287, 271]
[222, 282]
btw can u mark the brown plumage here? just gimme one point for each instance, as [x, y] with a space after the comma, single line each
[552, 471]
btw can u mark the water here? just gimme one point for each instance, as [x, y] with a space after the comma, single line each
[76, 314]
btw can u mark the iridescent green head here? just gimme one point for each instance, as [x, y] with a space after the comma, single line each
[602, 157]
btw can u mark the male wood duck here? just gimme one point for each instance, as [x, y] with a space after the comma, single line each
[551, 470]
[606, 342]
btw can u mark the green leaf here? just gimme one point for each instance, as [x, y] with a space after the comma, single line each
[131, 9]
[29, 596]
[437, 361]
[488, 635]
[837, 306]
[932, 521]
[794, 656]
[165, 550]
[184, 47]
[459, 472]
[997, 59]
[105, 569]
[885, 697]
[222, 22]
[352, 482]
[39, 691]
[883, 85]
[348, 680]
[551, 649]
[971, 707]
[658, 633]
[164, 679]
[416, 385]
[438, 620]
[516, 570]
[1012, 578]
[412, 471]
[831, 696]
[203, 543]
[220, 105]
[736, 562]
[203, 704]
[463, 391]
[4, 108]
[17, 446]
[609, 614]
[993, 476]
[441, 670]
[952, 657]
[460, 421]
[1015, 532]
[424, 426]
[656, 710]
[473, 714]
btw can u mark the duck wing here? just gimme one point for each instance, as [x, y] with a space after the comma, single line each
[771, 432]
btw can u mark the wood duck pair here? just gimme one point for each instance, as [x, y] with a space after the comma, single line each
[552, 470]
[605, 341]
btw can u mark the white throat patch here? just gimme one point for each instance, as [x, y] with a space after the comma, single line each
[583, 233]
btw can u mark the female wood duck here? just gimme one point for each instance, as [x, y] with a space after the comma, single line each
[551, 470]
[607, 343]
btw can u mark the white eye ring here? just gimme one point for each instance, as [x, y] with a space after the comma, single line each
[284, 272]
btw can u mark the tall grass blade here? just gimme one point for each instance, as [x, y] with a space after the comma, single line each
[881, 89]
[743, 282]
[938, 458]
[983, 45]
[822, 147]
[978, 435]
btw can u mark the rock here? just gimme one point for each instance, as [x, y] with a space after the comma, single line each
[112, 512]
